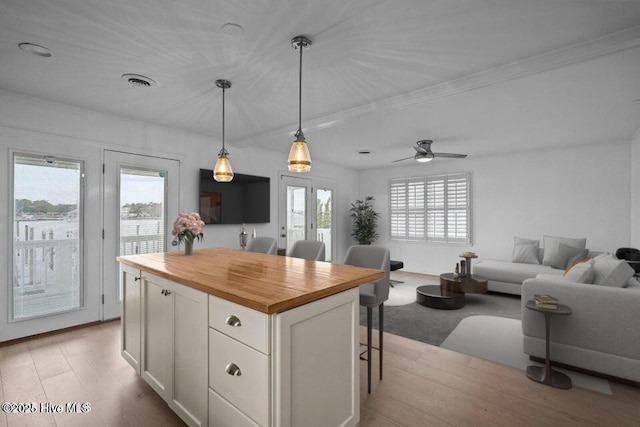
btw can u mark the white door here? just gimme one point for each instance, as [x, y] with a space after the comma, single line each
[141, 201]
[50, 271]
[306, 213]
[294, 206]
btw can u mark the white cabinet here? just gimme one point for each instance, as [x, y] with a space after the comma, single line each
[218, 363]
[130, 316]
[306, 372]
[316, 365]
[174, 346]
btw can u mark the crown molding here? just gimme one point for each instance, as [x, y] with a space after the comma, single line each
[579, 52]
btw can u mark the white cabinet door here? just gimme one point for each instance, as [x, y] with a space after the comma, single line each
[175, 346]
[131, 316]
[156, 348]
[189, 354]
[316, 368]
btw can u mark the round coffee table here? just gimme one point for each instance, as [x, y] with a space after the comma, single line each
[450, 294]
[435, 297]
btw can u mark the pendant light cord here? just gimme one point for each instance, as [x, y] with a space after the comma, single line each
[300, 91]
[223, 118]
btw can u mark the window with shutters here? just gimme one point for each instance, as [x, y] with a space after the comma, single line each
[433, 208]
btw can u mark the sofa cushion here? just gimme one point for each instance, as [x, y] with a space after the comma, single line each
[509, 272]
[610, 271]
[552, 247]
[525, 251]
[567, 254]
[582, 272]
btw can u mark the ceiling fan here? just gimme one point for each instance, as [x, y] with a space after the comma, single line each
[424, 153]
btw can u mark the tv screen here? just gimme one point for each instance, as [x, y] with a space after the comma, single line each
[244, 200]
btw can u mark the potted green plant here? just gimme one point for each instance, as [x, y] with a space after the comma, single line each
[364, 221]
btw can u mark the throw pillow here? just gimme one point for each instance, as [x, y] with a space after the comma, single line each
[582, 272]
[610, 271]
[525, 251]
[552, 246]
[567, 254]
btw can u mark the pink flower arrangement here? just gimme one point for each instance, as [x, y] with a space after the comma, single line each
[188, 227]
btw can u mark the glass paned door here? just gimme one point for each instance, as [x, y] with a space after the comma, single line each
[324, 220]
[305, 215]
[141, 196]
[47, 236]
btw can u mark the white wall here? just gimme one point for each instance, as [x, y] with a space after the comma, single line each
[34, 125]
[635, 190]
[582, 191]
[194, 151]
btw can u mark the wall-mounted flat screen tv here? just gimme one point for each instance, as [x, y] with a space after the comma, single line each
[244, 200]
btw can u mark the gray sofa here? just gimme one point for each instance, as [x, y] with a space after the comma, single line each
[507, 276]
[602, 334]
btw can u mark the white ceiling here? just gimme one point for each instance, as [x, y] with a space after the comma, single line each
[477, 76]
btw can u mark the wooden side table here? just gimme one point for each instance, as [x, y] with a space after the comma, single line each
[544, 374]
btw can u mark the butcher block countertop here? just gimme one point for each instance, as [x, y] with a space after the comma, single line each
[266, 283]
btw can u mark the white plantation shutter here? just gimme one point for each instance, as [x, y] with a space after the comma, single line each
[433, 208]
[407, 209]
[458, 208]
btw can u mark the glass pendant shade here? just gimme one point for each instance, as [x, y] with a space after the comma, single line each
[299, 157]
[223, 172]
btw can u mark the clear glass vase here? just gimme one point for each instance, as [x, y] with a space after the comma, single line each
[188, 247]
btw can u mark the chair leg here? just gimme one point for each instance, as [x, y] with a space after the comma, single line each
[369, 326]
[380, 333]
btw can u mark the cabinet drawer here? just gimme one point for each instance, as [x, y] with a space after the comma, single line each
[224, 414]
[244, 324]
[248, 389]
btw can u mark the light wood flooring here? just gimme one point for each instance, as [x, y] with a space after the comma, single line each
[423, 385]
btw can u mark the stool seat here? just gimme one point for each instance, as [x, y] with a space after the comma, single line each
[396, 265]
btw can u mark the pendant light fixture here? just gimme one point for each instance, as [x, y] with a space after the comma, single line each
[299, 157]
[223, 172]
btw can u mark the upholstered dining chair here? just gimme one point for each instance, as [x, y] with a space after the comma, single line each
[265, 245]
[372, 294]
[307, 249]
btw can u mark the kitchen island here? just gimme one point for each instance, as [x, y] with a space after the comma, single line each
[234, 338]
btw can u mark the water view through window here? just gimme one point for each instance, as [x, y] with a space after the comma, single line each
[47, 236]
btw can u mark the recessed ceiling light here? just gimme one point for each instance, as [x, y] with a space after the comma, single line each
[35, 49]
[232, 29]
[364, 151]
[138, 80]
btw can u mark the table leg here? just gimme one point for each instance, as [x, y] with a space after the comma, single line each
[546, 375]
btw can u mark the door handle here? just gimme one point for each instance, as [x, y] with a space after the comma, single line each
[283, 235]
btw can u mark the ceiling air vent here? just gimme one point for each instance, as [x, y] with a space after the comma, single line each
[138, 80]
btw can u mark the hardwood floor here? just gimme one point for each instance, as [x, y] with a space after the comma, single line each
[423, 385]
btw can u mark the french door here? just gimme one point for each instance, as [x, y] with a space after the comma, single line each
[306, 213]
[141, 200]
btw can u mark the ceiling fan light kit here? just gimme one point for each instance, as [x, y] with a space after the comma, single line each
[222, 171]
[299, 157]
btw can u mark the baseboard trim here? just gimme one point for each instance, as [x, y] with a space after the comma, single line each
[588, 372]
[56, 332]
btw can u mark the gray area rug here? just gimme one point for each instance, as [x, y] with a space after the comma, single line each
[405, 317]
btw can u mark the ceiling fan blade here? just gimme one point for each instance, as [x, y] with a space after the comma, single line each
[450, 155]
[420, 149]
[401, 160]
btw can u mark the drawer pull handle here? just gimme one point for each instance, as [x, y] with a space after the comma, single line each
[233, 370]
[233, 321]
